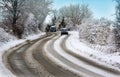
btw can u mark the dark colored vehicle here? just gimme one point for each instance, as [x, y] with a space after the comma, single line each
[64, 31]
[52, 29]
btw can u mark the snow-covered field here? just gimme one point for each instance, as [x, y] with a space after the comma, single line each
[3, 71]
[80, 48]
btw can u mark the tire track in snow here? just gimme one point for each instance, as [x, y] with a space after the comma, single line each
[63, 62]
[53, 68]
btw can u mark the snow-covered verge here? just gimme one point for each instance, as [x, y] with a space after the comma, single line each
[4, 72]
[79, 47]
[5, 37]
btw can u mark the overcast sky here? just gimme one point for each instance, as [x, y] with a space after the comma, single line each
[100, 8]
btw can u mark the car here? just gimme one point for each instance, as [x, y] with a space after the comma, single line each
[52, 29]
[64, 31]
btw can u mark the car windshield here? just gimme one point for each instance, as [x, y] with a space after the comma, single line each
[63, 29]
[52, 27]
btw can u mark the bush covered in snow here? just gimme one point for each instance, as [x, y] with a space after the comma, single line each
[5, 37]
[98, 34]
[30, 26]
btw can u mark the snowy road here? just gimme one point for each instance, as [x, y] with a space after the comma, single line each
[49, 57]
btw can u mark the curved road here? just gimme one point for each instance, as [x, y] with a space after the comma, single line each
[32, 59]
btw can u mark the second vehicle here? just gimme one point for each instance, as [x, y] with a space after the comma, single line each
[64, 31]
[52, 29]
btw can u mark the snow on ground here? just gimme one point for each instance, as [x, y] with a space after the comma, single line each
[4, 72]
[76, 61]
[5, 37]
[33, 37]
[80, 48]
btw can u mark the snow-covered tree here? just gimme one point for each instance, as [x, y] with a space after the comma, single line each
[97, 31]
[17, 13]
[11, 12]
[75, 12]
[30, 26]
[40, 9]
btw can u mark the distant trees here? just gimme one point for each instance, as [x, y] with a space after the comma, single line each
[76, 13]
[73, 15]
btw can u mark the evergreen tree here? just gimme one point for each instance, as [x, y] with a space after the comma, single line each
[63, 24]
[53, 21]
